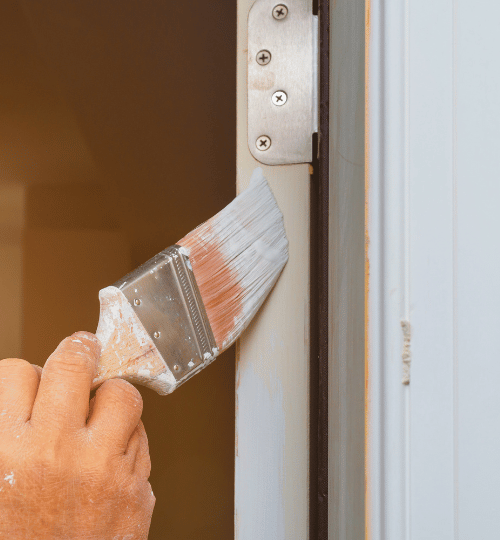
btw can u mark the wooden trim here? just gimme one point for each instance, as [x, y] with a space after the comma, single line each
[346, 418]
[272, 388]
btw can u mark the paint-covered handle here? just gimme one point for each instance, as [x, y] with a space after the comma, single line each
[128, 352]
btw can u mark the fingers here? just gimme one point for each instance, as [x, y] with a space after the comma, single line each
[38, 369]
[137, 453]
[18, 388]
[116, 413]
[64, 391]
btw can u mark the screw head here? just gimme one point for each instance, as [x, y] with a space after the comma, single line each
[137, 302]
[279, 98]
[156, 335]
[263, 57]
[263, 143]
[280, 12]
[177, 367]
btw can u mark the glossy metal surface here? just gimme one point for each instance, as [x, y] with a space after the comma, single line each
[293, 44]
[164, 294]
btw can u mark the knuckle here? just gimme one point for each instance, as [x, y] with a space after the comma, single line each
[14, 363]
[71, 362]
[17, 368]
[122, 391]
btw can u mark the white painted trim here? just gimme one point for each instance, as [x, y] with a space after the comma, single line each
[272, 391]
[433, 223]
[387, 398]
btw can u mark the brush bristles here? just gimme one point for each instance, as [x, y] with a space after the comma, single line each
[237, 256]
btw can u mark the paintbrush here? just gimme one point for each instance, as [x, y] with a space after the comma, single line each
[171, 317]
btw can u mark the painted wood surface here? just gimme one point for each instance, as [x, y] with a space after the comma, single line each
[387, 303]
[432, 201]
[347, 252]
[272, 388]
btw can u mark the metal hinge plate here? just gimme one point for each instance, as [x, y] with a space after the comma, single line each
[282, 81]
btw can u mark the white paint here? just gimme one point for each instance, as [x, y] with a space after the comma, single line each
[261, 428]
[10, 478]
[388, 400]
[267, 252]
[165, 381]
[118, 310]
[434, 218]
[185, 251]
[76, 341]
[249, 234]
[272, 408]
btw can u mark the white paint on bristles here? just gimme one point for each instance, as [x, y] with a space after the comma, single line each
[237, 256]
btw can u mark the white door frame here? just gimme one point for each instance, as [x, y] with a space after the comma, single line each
[272, 388]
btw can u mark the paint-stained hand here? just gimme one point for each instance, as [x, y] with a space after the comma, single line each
[70, 468]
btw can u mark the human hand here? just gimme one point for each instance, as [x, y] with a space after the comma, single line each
[70, 469]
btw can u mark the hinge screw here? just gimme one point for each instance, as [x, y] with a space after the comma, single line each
[263, 57]
[279, 98]
[177, 367]
[280, 12]
[137, 302]
[156, 334]
[263, 143]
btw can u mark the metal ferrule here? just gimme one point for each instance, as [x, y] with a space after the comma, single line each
[164, 294]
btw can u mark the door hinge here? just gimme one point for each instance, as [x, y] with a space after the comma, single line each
[282, 81]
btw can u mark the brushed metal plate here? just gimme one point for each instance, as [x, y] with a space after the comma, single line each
[164, 295]
[293, 68]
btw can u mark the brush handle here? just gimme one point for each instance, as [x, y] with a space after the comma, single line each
[128, 352]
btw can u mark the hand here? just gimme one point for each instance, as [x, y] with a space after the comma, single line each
[70, 469]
